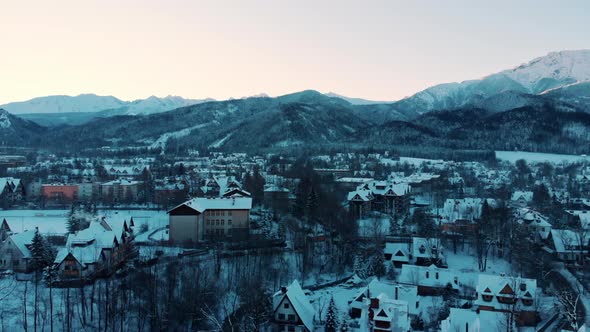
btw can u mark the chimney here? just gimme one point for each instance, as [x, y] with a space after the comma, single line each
[374, 303]
[283, 289]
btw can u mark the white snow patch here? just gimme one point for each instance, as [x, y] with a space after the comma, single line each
[219, 143]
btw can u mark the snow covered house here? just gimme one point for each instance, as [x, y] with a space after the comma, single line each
[459, 216]
[97, 250]
[383, 196]
[569, 245]
[292, 310]
[407, 293]
[476, 321]
[388, 315]
[126, 170]
[218, 186]
[5, 230]
[398, 253]
[120, 190]
[521, 198]
[14, 251]
[535, 222]
[201, 219]
[580, 218]
[415, 250]
[506, 294]
[11, 190]
[431, 280]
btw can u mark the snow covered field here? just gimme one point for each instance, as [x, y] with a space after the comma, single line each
[54, 221]
[48, 221]
[538, 157]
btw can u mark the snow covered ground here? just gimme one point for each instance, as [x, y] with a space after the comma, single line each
[54, 221]
[48, 221]
[538, 157]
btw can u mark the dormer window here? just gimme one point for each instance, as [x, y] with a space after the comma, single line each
[523, 286]
[422, 249]
[427, 274]
[486, 297]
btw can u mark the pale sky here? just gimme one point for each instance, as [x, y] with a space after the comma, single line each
[381, 50]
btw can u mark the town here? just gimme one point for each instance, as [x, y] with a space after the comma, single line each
[365, 240]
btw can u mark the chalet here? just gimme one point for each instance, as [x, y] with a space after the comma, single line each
[126, 171]
[388, 315]
[5, 230]
[513, 295]
[360, 202]
[459, 216]
[407, 293]
[217, 186]
[203, 218]
[579, 218]
[15, 253]
[568, 245]
[97, 250]
[11, 190]
[427, 251]
[476, 321]
[431, 280]
[535, 222]
[382, 196]
[521, 198]
[417, 250]
[398, 253]
[292, 310]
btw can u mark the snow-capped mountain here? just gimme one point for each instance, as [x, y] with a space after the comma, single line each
[155, 104]
[64, 104]
[93, 103]
[356, 101]
[552, 71]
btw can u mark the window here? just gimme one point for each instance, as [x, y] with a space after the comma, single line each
[229, 213]
[291, 328]
[436, 275]
[286, 305]
[291, 318]
[229, 222]
[487, 298]
[427, 274]
[281, 316]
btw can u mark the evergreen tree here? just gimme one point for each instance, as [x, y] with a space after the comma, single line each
[258, 183]
[300, 202]
[40, 253]
[73, 224]
[181, 169]
[312, 204]
[332, 317]
[344, 326]
[379, 265]
[391, 272]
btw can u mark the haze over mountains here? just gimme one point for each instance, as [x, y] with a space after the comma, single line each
[540, 105]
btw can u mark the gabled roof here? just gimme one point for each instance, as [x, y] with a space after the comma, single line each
[299, 301]
[201, 204]
[22, 241]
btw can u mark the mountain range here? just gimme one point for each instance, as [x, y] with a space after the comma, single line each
[542, 105]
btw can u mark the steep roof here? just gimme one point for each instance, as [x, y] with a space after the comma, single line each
[201, 204]
[299, 301]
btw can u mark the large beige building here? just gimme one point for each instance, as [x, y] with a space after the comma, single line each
[203, 219]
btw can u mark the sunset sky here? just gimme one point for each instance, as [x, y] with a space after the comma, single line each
[381, 50]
